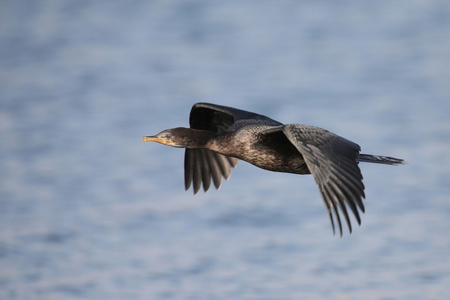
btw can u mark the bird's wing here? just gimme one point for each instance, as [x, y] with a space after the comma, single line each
[200, 165]
[218, 118]
[331, 160]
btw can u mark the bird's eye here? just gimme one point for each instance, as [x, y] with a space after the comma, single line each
[168, 136]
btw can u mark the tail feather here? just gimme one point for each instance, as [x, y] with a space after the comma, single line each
[378, 159]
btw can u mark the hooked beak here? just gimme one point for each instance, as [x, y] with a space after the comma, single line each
[156, 139]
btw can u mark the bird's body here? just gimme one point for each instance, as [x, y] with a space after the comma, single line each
[219, 136]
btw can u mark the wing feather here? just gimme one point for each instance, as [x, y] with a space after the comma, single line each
[202, 165]
[331, 160]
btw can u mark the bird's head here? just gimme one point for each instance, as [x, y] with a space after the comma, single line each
[175, 137]
[179, 137]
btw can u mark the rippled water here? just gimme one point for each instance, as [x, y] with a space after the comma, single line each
[88, 211]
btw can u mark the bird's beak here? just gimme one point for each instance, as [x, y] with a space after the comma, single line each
[157, 140]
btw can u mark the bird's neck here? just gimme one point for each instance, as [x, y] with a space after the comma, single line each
[222, 143]
[200, 138]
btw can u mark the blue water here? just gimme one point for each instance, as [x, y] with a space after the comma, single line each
[88, 211]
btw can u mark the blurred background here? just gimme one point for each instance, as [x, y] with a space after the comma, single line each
[89, 211]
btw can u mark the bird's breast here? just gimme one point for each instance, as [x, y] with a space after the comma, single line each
[273, 152]
[281, 158]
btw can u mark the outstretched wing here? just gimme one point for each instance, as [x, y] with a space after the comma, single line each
[202, 165]
[331, 160]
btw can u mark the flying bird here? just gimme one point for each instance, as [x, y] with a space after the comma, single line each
[220, 136]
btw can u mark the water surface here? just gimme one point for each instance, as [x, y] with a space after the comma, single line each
[88, 211]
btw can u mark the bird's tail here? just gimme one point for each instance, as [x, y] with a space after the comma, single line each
[378, 159]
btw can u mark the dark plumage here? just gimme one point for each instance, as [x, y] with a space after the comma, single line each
[219, 136]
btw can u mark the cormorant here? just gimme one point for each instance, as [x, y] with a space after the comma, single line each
[220, 136]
